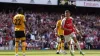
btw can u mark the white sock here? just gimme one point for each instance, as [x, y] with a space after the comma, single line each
[62, 51]
[78, 46]
[72, 47]
[16, 54]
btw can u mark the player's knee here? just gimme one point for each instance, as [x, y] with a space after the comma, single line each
[24, 44]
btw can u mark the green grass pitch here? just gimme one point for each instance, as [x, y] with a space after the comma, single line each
[50, 53]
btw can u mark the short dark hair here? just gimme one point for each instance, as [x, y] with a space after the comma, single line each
[67, 11]
[20, 10]
[62, 15]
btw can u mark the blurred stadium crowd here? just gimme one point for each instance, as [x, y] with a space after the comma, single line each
[41, 34]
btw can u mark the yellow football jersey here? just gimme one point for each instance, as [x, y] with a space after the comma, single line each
[18, 21]
[60, 31]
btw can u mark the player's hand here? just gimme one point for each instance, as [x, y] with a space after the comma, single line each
[56, 34]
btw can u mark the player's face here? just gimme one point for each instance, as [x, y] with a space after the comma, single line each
[67, 14]
[62, 17]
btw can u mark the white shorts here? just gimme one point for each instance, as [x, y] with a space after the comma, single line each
[69, 37]
[58, 39]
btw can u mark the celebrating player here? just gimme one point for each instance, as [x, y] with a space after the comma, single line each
[68, 27]
[19, 22]
[60, 38]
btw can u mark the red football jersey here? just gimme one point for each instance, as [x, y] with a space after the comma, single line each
[68, 23]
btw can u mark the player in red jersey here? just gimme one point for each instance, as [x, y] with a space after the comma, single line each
[68, 27]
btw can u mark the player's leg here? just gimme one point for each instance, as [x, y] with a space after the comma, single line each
[72, 45]
[23, 40]
[59, 45]
[68, 39]
[77, 44]
[16, 46]
[69, 46]
[58, 49]
[62, 44]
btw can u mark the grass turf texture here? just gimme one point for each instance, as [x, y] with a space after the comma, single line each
[49, 53]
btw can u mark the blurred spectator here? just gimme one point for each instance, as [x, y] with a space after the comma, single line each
[11, 43]
[0, 40]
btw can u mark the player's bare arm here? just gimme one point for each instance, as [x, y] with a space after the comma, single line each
[56, 29]
[77, 31]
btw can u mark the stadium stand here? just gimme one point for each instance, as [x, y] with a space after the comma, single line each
[42, 24]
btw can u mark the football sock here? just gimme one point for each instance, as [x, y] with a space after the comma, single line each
[59, 47]
[78, 46]
[23, 47]
[72, 46]
[62, 45]
[16, 47]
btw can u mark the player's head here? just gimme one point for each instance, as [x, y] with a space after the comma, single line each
[20, 10]
[67, 13]
[62, 16]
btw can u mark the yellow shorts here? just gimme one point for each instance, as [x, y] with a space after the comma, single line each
[20, 39]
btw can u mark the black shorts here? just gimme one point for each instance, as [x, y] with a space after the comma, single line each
[62, 37]
[19, 34]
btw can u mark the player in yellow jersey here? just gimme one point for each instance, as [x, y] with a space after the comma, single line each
[60, 38]
[19, 26]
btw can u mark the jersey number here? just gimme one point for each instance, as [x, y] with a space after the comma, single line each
[17, 22]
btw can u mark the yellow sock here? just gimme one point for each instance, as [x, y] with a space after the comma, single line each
[16, 47]
[62, 45]
[23, 47]
[59, 46]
